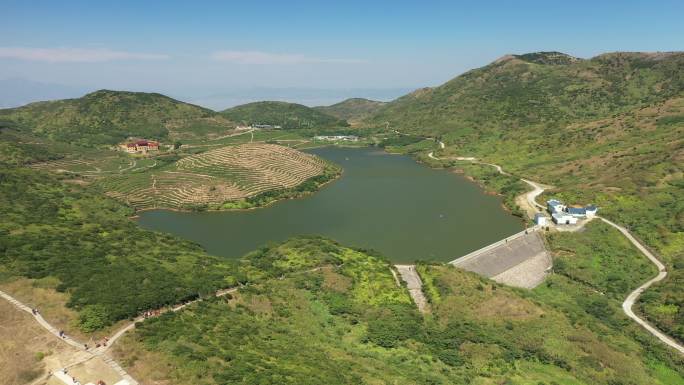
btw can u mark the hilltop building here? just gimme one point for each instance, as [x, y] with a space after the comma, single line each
[564, 215]
[140, 146]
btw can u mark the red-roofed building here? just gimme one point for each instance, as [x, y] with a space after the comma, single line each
[140, 146]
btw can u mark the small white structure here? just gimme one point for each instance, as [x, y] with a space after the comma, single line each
[563, 218]
[349, 138]
[591, 211]
[540, 219]
[555, 206]
[266, 126]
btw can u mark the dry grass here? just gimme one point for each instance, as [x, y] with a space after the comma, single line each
[335, 281]
[93, 371]
[41, 294]
[508, 307]
[142, 364]
[27, 350]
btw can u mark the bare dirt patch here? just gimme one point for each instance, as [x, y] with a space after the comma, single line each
[141, 363]
[40, 294]
[507, 307]
[335, 282]
[27, 351]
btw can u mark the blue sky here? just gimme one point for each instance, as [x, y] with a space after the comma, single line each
[205, 48]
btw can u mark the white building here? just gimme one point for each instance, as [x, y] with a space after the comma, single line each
[591, 211]
[564, 212]
[266, 126]
[555, 206]
[540, 219]
[563, 218]
[349, 138]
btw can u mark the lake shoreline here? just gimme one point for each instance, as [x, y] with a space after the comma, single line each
[393, 204]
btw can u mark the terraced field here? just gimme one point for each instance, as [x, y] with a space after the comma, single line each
[214, 177]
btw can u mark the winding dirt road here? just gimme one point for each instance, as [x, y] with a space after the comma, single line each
[633, 296]
[530, 199]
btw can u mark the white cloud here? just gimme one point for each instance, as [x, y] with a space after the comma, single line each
[257, 57]
[74, 55]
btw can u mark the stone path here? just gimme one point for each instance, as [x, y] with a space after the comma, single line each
[414, 285]
[88, 354]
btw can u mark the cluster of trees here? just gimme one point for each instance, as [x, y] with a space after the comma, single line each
[111, 268]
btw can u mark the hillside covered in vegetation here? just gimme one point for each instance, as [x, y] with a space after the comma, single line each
[109, 117]
[608, 130]
[336, 316]
[283, 114]
[546, 89]
[111, 268]
[353, 109]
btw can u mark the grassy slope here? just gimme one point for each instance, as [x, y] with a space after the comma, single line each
[286, 115]
[349, 323]
[353, 109]
[607, 130]
[520, 92]
[19, 148]
[108, 117]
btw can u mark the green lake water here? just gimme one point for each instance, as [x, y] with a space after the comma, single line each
[386, 202]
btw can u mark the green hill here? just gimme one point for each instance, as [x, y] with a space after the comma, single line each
[108, 117]
[286, 115]
[353, 109]
[315, 312]
[546, 89]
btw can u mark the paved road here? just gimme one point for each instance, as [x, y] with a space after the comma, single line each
[633, 296]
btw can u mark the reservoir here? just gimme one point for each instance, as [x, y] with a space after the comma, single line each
[389, 203]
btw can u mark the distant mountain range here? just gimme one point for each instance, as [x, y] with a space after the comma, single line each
[543, 90]
[306, 96]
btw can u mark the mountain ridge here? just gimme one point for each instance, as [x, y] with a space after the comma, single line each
[513, 92]
[284, 114]
[107, 117]
[352, 109]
